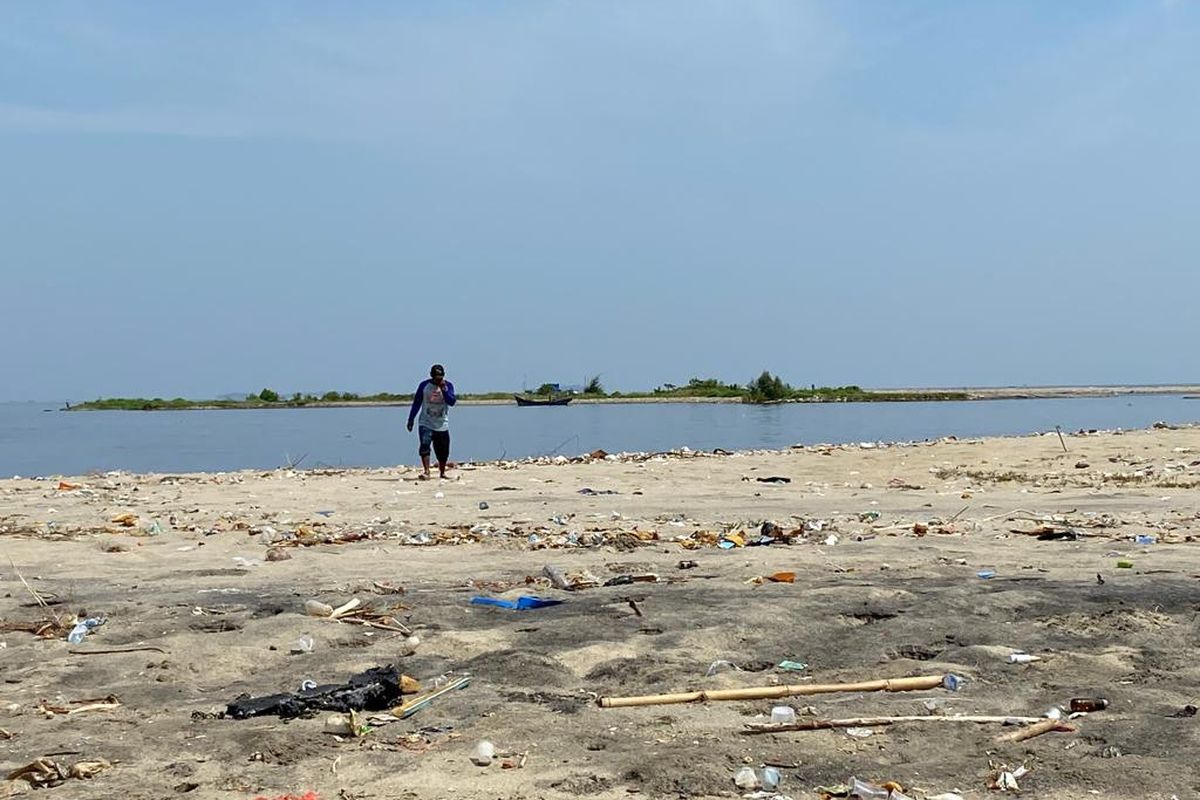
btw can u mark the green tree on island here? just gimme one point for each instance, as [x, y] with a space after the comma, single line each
[768, 388]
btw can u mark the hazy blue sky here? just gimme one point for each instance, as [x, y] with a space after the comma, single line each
[201, 198]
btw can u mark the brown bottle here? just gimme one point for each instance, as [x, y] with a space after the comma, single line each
[1088, 704]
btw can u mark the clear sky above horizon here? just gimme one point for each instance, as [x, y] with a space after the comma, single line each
[210, 198]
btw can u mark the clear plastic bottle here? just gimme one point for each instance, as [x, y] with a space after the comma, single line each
[83, 627]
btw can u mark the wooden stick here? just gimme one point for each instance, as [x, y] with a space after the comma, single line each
[416, 704]
[1036, 729]
[873, 722]
[1058, 430]
[767, 692]
[107, 650]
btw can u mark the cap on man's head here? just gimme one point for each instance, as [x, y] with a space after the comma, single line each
[437, 371]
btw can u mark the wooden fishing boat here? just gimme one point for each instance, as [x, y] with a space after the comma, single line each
[541, 401]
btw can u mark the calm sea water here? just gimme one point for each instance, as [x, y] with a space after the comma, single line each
[35, 441]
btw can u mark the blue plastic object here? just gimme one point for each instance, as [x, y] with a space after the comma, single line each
[520, 604]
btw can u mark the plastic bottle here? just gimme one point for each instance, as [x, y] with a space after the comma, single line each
[953, 682]
[83, 627]
[1086, 704]
[746, 779]
[783, 715]
[483, 754]
[769, 778]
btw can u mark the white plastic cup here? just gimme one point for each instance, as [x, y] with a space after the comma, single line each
[783, 715]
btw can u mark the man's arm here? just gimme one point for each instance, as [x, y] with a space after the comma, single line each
[448, 393]
[418, 398]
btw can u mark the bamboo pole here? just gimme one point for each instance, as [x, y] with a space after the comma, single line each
[874, 722]
[768, 692]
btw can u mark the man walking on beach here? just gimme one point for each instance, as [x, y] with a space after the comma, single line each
[433, 399]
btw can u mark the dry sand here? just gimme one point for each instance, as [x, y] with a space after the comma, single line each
[879, 602]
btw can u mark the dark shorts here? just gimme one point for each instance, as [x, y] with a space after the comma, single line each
[439, 440]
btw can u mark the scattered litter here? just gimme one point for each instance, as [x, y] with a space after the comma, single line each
[1023, 658]
[483, 754]
[791, 666]
[72, 707]
[986, 574]
[442, 687]
[45, 773]
[774, 479]
[483, 506]
[277, 554]
[862, 790]
[1035, 729]
[1004, 778]
[687, 565]
[1145, 538]
[1123, 564]
[918, 683]
[303, 645]
[315, 608]
[83, 627]
[783, 715]
[524, 603]
[1088, 704]
[860, 733]
[353, 612]
[717, 667]
[746, 779]
[347, 724]
[953, 682]
[594, 492]
[377, 689]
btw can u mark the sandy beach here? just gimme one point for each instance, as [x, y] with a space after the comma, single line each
[909, 560]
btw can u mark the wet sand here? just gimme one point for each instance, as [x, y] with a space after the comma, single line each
[889, 544]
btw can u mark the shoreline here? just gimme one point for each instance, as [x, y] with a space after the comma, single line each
[889, 395]
[625, 457]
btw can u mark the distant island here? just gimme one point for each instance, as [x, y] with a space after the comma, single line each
[765, 389]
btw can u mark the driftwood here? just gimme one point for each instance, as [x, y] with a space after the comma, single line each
[874, 722]
[1036, 729]
[768, 692]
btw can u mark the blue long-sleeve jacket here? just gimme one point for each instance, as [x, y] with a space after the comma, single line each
[433, 403]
